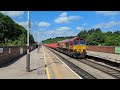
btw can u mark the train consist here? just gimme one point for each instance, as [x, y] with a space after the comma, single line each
[75, 47]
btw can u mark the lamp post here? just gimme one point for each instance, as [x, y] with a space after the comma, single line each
[38, 41]
[28, 54]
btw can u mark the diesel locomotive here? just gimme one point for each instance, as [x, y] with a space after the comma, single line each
[75, 47]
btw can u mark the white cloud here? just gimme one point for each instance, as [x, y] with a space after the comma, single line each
[63, 14]
[84, 24]
[56, 33]
[107, 25]
[13, 13]
[51, 32]
[63, 28]
[43, 24]
[63, 18]
[24, 24]
[60, 32]
[40, 34]
[74, 17]
[80, 28]
[107, 13]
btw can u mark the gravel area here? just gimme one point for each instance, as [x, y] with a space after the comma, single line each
[104, 64]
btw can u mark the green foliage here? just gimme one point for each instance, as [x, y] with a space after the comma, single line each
[94, 37]
[97, 37]
[11, 33]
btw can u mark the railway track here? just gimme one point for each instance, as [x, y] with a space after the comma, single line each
[111, 71]
[106, 69]
[75, 68]
[103, 68]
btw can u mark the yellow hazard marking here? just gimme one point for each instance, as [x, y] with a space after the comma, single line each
[48, 75]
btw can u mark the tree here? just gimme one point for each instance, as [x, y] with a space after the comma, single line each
[83, 34]
[109, 33]
[11, 33]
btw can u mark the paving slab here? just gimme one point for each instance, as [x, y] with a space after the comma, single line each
[17, 70]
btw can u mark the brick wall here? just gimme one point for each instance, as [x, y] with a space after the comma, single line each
[12, 52]
[105, 49]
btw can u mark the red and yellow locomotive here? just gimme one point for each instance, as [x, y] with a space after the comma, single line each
[75, 47]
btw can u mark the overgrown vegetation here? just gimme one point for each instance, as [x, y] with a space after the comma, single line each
[11, 33]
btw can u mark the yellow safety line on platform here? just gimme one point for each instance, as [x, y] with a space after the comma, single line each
[48, 75]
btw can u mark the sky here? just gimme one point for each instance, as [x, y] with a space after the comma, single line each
[51, 24]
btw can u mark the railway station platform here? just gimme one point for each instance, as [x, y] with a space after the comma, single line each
[107, 56]
[43, 65]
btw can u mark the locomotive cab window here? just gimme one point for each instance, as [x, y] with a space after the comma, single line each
[82, 42]
[76, 42]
